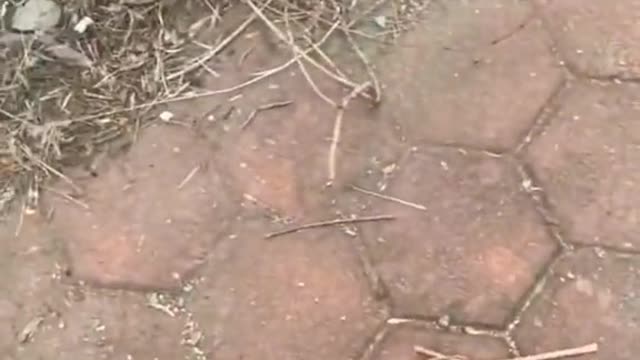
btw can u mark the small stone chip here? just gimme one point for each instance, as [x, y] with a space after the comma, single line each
[36, 15]
[166, 116]
[30, 329]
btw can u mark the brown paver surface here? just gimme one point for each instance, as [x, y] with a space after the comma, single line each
[491, 61]
[604, 282]
[462, 256]
[164, 202]
[587, 162]
[506, 146]
[595, 39]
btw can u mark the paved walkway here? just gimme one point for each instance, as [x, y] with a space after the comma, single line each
[510, 131]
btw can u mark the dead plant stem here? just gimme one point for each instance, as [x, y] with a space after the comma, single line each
[330, 223]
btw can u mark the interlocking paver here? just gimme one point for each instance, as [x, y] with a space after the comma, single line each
[597, 38]
[399, 343]
[473, 253]
[469, 75]
[190, 199]
[75, 322]
[302, 296]
[587, 162]
[591, 296]
[146, 226]
[280, 158]
[29, 264]
[107, 326]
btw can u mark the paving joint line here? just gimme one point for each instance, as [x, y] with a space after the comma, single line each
[374, 342]
[460, 329]
[444, 323]
[541, 202]
[567, 65]
[608, 248]
[544, 116]
[581, 75]
[534, 292]
[554, 48]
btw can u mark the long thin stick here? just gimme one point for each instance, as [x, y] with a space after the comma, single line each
[428, 352]
[582, 350]
[68, 197]
[273, 105]
[330, 223]
[552, 355]
[189, 176]
[389, 198]
[337, 129]
[303, 69]
[367, 65]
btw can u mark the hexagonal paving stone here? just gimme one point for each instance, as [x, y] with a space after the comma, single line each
[29, 273]
[303, 296]
[587, 162]
[400, 341]
[281, 157]
[151, 216]
[471, 75]
[475, 250]
[597, 38]
[592, 296]
[106, 325]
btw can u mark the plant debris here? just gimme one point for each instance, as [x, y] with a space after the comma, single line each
[340, 221]
[552, 355]
[67, 91]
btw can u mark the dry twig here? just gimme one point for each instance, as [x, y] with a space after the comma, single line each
[273, 105]
[337, 129]
[189, 176]
[302, 67]
[330, 223]
[389, 198]
[559, 354]
[66, 196]
[258, 76]
[552, 355]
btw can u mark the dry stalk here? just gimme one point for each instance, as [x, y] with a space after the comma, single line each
[295, 47]
[301, 65]
[254, 113]
[258, 76]
[389, 198]
[330, 223]
[337, 129]
[552, 355]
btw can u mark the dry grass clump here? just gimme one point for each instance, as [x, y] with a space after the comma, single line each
[66, 95]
